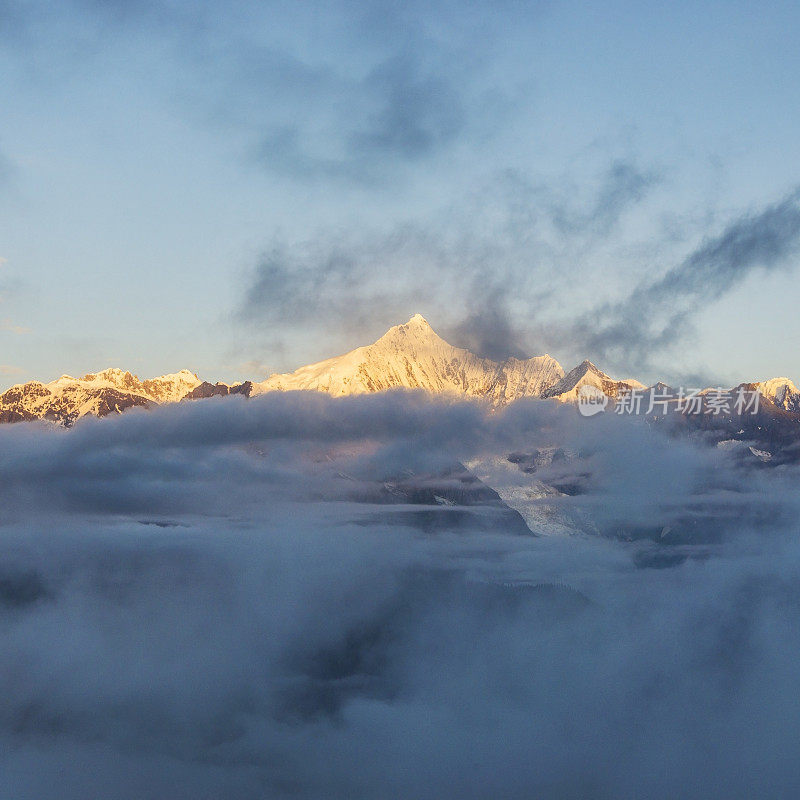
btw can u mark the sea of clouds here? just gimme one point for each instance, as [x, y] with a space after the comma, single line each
[198, 602]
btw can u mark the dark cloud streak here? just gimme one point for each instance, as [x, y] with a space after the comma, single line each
[479, 269]
[660, 313]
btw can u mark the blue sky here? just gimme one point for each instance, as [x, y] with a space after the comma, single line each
[238, 188]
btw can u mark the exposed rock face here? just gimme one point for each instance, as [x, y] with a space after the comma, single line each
[206, 389]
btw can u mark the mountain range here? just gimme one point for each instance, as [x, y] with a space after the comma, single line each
[408, 356]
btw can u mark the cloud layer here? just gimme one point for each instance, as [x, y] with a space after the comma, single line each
[194, 603]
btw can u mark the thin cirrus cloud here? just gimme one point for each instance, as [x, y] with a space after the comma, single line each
[349, 92]
[406, 117]
[489, 287]
[659, 313]
[480, 267]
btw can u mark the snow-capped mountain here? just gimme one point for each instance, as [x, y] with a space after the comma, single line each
[412, 356]
[408, 356]
[782, 392]
[164, 389]
[113, 390]
[587, 374]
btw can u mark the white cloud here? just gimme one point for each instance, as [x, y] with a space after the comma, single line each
[195, 602]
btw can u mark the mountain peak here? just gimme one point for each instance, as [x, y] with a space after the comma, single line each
[416, 330]
[417, 323]
[782, 392]
[112, 375]
[413, 356]
[587, 374]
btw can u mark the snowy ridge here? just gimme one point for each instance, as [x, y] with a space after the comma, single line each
[782, 392]
[164, 389]
[410, 356]
[111, 391]
[587, 374]
[413, 356]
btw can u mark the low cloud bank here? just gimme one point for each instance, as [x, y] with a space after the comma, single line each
[192, 605]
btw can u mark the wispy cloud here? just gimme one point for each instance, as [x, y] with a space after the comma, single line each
[385, 87]
[660, 313]
[480, 269]
[498, 286]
